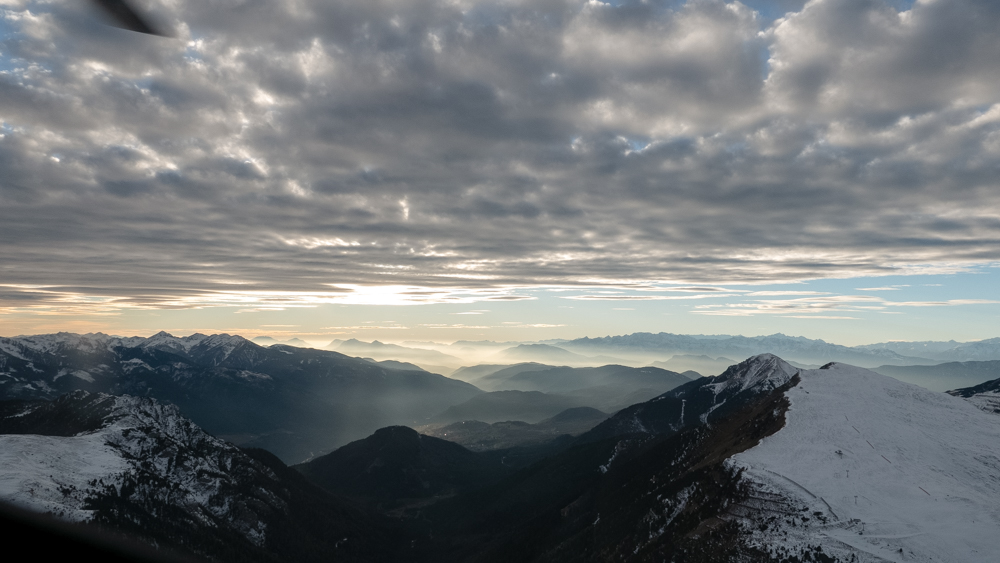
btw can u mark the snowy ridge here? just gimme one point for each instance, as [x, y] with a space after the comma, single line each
[871, 467]
[140, 445]
[11, 347]
[53, 343]
[699, 401]
[164, 339]
[763, 373]
[43, 366]
[19, 346]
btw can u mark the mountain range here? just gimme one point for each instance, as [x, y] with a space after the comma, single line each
[794, 348]
[949, 351]
[294, 402]
[765, 462]
[704, 354]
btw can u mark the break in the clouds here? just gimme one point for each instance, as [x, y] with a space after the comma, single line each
[292, 152]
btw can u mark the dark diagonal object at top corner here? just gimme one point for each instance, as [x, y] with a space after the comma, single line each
[126, 17]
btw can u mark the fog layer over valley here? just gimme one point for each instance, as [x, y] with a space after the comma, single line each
[300, 402]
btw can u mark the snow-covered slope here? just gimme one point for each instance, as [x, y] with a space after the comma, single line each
[988, 401]
[879, 469]
[138, 468]
[54, 474]
[140, 448]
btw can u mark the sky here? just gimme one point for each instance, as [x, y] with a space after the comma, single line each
[506, 170]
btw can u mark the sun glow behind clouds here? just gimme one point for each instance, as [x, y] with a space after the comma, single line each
[55, 300]
[928, 307]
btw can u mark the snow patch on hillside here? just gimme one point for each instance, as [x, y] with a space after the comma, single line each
[128, 366]
[11, 347]
[882, 469]
[77, 373]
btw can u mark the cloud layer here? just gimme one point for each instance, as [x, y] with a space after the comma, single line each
[304, 149]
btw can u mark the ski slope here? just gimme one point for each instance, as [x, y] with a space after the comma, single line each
[880, 469]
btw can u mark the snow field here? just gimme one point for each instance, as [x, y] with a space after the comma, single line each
[52, 474]
[900, 468]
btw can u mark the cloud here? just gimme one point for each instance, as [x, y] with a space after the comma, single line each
[780, 293]
[827, 317]
[947, 303]
[285, 154]
[692, 289]
[528, 325]
[442, 325]
[877, 289]
[597, 297]
[366, 327]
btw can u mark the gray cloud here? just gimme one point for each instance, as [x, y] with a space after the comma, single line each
[288, 146]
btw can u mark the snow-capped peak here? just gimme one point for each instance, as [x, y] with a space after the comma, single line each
[221, 345]
[164, 339]
[763, 373]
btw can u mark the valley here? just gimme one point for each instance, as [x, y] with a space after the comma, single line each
[528, 461]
